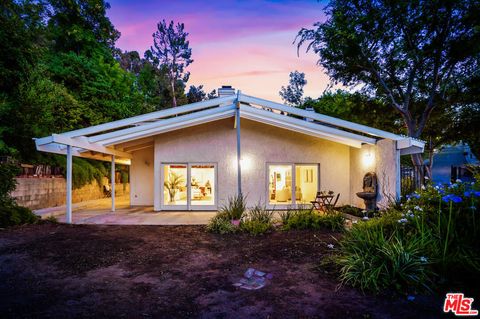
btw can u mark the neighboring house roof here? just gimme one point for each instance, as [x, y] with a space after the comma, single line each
[99, 141]
[451, 155]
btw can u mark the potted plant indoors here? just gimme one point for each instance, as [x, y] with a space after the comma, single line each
[173, 184]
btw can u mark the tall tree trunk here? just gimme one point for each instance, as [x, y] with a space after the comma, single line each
[174, 99]
[417, 159]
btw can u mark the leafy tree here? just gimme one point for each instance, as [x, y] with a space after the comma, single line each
[293, 93]
[81, 26]
[196, 94]
[212, 95]
[171, 51]
[356, 107]
[411, 54]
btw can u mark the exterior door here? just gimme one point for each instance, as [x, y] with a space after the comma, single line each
[189, 186]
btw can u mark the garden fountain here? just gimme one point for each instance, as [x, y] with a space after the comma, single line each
[369, 194]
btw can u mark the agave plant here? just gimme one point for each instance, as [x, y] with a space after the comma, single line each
[173, 184]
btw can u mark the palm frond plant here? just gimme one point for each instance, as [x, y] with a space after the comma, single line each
[173, 184]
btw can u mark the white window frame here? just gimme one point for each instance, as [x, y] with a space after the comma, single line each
[293, 165]
[188, 206]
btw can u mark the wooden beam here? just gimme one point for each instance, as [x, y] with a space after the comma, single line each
[124, 134]
[179, 123]
[149, 116]
[82, 142]
[320, 117]
[304, 127]
[56, 149]
[138, 147]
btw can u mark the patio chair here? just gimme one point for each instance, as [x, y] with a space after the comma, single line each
[107, 192]
[333, 203]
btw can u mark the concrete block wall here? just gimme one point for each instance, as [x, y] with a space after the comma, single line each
[36, 193]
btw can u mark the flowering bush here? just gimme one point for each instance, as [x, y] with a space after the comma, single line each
[434, 234]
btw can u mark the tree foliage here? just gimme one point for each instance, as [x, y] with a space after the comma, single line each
[358, 108]
[292, 94]
[171, 52]
[414, 55]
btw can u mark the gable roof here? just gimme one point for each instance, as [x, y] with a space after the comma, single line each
[100, 141]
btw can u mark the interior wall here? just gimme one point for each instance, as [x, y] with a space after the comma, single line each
[141, 178]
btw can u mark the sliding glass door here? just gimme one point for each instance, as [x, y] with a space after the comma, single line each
[189, 186]
[292, 183]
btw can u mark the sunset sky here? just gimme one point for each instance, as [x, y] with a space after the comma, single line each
[246, 44]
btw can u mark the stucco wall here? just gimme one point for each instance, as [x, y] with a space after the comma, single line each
[36, 193]
[384, 160]
[216, 142]
[388, 170]
[213, 142]
[362, 161]
[141, 178]
[264, 143]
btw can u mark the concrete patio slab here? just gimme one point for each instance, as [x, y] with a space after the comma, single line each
[98, 212]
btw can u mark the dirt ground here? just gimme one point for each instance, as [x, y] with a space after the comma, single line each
[96, 271]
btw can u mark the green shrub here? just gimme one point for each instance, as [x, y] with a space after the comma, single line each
[51, 219]
[309, 219]
[255, 227]
[352, 210]
[7, 180]
[260, 213]
[286, 215]
[375, 255]
[258, 220]
[432, 237]
[11, 214]
[235, 207]
[221, 224]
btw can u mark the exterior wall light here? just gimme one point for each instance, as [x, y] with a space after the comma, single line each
[368, 158]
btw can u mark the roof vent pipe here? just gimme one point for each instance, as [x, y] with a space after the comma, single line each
[226, 90]
[309, 109]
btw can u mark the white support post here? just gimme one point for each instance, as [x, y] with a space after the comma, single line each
[239, 154]
[69, 185]
[113, 182]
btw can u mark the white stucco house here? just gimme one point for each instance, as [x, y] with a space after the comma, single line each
[193, 157]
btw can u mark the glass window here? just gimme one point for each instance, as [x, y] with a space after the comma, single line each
[175, 184]
[306, 183]
[280, 184]
[202, 184]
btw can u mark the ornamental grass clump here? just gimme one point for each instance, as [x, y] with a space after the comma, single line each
[258, 220]
[221, 224]
[234, 207]
[433, 237]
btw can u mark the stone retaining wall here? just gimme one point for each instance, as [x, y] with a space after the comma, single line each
[36, 193]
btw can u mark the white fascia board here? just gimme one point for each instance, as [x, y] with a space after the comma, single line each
[410, 145]
[281, 123]
[305, 127]
[82, 142]
[125, 134]
[180, 123]
[146, 117]
[320, 117]
[59, 149]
